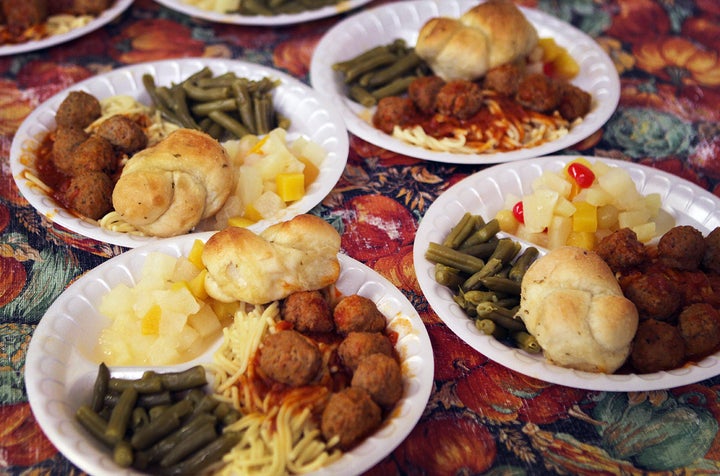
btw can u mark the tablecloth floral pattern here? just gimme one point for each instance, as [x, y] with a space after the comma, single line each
[481, 417]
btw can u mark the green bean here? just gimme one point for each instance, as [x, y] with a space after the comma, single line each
[480, 250]
[485, 233]
[204, 108]
[527, 342]
[255, 7]
[186, 379]
[361, 95]
[244, 105]
[180, 107]
[123, 454]
[223, 80]
[100, 388]
[460, 231]
[142, 385]
[263, 114]
[522, 264]
[344, 66]
[492, 266]
[167, 422]
[158, 450]
[501, 316]
[438, 253]
[371, 62]
[139, 418]
[121, 414]
[204, 435]
[396, 87]
[505, 250]
[392, 72]
[155, 412]
[490, 328]
[448, 276]
[93, 423]
[230, 124]
[503, 285]
[205, 456]
[157, 100]
[475, 297]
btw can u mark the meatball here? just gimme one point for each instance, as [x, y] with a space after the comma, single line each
[290, 358]
[423, 91]
[504, 79]
[392, 111]
[350, 415]
[90, 7]
[123, 133]
[622, 250]
[308, 311]
[699, 326]
[682, 247]
[22, 14]
[357, 313]
[654, 295]
[89, 194]
[574, 102]
[78, 109]
[66, 140]
[381, 377]
[94, 153]
[358, 345]
[711, 259]
[657, 346]
[538, 92]
[459, 98]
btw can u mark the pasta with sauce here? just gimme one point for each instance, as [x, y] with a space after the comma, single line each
[279, 437]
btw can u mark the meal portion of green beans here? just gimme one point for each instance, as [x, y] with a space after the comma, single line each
[225, 106]
[385, 70]
[280, 7]
[161, 422]
[485, 272]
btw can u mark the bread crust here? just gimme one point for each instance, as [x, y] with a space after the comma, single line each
[165, 190]
[490, 34]
[573, 305]
[296, 255]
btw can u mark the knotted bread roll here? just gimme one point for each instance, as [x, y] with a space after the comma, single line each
[573, 305]
[165, 190]
[292, 256]
[489, 35]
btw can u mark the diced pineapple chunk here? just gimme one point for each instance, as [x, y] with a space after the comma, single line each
[538, 209]
[582, 239]
[507, 221]
[269, 204]
[645, 232]
[205, 322]
[240, 221]
[559, 231]
[564, 207]
[195, 255]
[585, 217]
[290, 186]
[197, 285]
[633, 218]
[150, 324]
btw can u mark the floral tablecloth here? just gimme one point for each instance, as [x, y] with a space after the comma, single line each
[481, 417]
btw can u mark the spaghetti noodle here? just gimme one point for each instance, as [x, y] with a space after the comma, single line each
[501, 126]
[279, 433]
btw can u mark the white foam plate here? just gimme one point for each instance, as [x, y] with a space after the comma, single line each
[105, 17]
[483, 193]
[60, 368]
[260, 20]
[310, 115]
[403, 20]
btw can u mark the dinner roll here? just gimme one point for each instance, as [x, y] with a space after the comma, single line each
[489, 35]
[292, 256]
[573, 305]
[165, 190]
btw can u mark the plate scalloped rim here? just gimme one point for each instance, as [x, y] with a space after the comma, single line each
[311, 115]
[483, 193]
[383, 24]
[58, 367]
